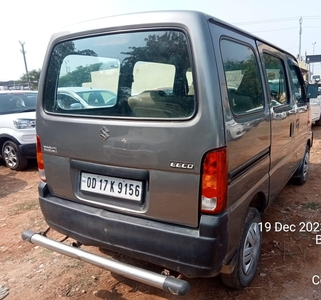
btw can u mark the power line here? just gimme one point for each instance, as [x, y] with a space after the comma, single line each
[267, 21]
[25, 61]
[312, 27]
[275, 29]
[277, 20]
[287, 28]
[312, 17]
[290, 48]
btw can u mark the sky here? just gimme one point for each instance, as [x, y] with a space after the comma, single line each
[32, 22]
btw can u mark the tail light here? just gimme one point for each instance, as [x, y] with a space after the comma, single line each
[214, 182]
[41, 166]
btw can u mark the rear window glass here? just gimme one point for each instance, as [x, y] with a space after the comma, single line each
[131, 75]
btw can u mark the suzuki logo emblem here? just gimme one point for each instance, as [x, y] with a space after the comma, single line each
[104, 133]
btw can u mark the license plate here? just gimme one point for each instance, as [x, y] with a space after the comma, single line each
[111, 186]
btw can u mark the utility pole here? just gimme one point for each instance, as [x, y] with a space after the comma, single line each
[300, 34]
[313, 44]
[25, 61]
[67, 68]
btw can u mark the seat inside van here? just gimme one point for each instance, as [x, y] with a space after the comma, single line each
[239, 103]
[95, 99]
[247, 96]
[156, 104]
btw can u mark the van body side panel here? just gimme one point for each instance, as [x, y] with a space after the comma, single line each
[302, 130]
[283, 118]
[303, 124]
[282, 152]
[249, 152]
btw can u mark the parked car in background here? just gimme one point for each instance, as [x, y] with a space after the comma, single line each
[316, 108]
[83, 97]
[17, 128]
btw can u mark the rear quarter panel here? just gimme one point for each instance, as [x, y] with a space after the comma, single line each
[248, 155]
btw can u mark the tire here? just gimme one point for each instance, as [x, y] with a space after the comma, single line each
[248, 254]
[318, 123]
[12, 156]
[301, 175]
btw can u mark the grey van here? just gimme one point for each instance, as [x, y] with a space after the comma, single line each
[207, 126]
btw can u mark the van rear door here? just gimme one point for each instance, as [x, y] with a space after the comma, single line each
[124, 134]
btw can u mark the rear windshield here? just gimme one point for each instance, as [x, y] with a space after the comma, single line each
[17, 102]
[131, 75]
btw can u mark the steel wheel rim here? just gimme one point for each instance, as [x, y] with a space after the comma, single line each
[10, 156]
[251, 248]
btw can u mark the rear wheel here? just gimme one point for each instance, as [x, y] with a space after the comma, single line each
[248, 253]
[12, 156]
[318, 123]
[301, 175]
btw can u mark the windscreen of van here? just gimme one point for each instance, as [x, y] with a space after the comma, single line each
[133, 75]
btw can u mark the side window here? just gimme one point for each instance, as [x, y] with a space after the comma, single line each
[159, 77]
[242, 77]
[153, 76]
[65, 102]
[275, 72]
[297, 83]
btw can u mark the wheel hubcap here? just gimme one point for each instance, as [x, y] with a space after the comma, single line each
[251, 248]
[10, 156]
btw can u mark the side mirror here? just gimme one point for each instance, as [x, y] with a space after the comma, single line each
[76, 106]
[312, 91]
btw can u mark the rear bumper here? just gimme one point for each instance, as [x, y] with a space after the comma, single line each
[194, 252]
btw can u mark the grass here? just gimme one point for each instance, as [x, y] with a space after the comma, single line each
[25, 206]
[312, 205]
[74, 263]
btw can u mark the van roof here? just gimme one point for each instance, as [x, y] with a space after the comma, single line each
[163, 17]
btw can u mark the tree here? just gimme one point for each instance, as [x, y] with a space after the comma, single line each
[169, 47]
[33, 77]
[79, 76]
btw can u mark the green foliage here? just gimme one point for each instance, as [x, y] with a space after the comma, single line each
[312, 205]
[32, 78]
[169, 47]
[79, 76]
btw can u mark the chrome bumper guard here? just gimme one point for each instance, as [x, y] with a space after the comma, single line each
[169, 284]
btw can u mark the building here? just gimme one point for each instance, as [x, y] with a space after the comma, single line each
[14, 85]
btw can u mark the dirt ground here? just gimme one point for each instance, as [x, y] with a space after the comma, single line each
[288, 262]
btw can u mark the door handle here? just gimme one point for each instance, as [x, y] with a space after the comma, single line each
[291, 129]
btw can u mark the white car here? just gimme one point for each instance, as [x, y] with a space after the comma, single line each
[17, 128]
[315, 104]
[83, 98]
